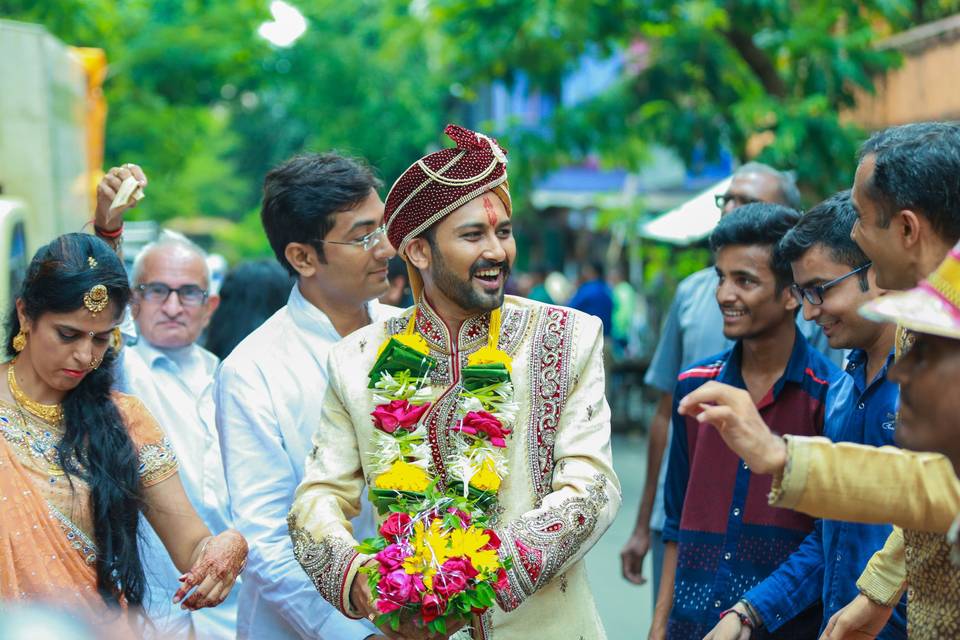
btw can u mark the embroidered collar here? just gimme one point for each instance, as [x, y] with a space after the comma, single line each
[472, 334]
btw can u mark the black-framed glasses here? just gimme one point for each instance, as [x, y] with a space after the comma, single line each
[814, 295]
[366, 243]
[721, 200]
[190, 295]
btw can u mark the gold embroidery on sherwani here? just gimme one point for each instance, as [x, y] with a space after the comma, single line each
[549, 386]
[542, 544]
[325, 561]
[933, 597]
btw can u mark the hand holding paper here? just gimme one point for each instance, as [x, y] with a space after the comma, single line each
[120, 189]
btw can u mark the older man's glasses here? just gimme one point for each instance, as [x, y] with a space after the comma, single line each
[814, 295]
[721, 200]
[190, 295]
[366, 243]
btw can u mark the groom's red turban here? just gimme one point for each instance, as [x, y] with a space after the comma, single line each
[443, 181]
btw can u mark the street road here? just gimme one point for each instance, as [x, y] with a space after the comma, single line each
[626, 609]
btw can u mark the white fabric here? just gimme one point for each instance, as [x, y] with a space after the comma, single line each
[177, 387]
[269, 394]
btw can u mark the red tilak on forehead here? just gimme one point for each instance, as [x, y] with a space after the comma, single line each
[491, 212]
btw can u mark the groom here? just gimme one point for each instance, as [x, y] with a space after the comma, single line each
[448, 215]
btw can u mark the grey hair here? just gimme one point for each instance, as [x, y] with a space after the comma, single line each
[168, 238]
[785, 181]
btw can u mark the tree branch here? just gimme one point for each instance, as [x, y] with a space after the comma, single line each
[758, 61]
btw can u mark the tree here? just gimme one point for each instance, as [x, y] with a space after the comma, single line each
[767, 76]
[208, 107]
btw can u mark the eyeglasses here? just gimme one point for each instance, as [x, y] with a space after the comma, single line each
[721, 200]
[190, 295]
[814, 295]
[367, 242]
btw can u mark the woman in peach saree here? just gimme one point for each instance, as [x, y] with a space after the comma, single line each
[78, 462]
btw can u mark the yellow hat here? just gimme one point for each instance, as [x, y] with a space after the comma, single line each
[931, 307]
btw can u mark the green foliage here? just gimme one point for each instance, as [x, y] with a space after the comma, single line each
[207, 107]
[698, 75]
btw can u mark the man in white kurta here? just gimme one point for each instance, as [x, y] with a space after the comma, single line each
[173, 376]
[560, 493]
[269, 390]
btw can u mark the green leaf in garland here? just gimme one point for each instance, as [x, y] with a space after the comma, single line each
[483, 375]
[398, 357]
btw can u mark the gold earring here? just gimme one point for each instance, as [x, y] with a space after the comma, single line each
[116, 339]
[19, 341]
[95, 363]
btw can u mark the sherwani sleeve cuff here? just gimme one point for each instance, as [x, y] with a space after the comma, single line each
[788, 487]
[331, 563]
[884, 578]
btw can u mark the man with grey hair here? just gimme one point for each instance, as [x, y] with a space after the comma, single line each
[173, 376]
[692, 331]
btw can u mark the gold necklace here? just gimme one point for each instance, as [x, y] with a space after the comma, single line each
[51, 413]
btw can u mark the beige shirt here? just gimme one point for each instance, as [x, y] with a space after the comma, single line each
[561, 493]
[916, 491]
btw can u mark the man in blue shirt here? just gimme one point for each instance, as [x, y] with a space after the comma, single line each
[594, 295]
[833, 279]
[693, 330]
[721, 536]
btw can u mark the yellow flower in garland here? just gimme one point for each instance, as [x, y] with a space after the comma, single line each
[430, 550]
[490, 355]
[486, 479]
[470, 542]
[403, 476]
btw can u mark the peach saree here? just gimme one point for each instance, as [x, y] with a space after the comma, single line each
[46, 521]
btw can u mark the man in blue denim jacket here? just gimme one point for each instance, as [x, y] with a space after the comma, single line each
[832, 279]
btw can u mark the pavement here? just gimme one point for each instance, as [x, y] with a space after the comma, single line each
[626, 609]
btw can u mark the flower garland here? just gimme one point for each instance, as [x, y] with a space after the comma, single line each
[437, 559]
[486, 412]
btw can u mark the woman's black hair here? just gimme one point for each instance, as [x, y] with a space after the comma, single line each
[96, 447]
[250, 294]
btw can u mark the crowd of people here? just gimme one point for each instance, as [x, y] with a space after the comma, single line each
[847, 539]
[157, 488]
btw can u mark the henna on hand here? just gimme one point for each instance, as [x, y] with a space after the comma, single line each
[222, 559]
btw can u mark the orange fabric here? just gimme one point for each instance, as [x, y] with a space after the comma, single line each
[36, 559]
[47, 558]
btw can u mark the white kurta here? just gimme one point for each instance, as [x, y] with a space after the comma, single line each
[269, 392]
[561, 493]
[177, 387]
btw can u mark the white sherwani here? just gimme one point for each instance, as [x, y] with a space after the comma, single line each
[561, 493]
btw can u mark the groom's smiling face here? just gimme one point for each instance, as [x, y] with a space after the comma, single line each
[469, 254]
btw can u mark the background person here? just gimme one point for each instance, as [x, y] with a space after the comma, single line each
[251, 292]
[172, 374]
[721, 539]
[693, 330]
[832, 280]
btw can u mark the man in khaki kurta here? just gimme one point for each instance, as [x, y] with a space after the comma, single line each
[448, 216]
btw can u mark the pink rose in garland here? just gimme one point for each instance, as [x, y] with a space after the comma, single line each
[399, 414]
[477, 422]
[390, 559]
[447, 584]
[398, 588]
[396, 525]
[503, 582]
[432, 607]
